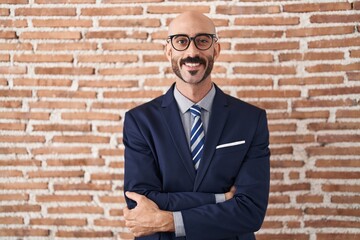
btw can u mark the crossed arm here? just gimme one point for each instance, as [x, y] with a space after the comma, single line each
[146, 218]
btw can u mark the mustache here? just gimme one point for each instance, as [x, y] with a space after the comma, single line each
[193, 60]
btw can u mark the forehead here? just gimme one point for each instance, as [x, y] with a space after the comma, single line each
[191, 24]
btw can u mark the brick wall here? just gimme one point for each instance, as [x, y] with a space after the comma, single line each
[70, 69]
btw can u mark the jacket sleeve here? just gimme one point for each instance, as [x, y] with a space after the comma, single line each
[142, 174]
[245, 212]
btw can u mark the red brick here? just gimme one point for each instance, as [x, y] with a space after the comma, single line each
[304, 81]
[109, 223]
[58, 105]
[250, 34]
[337, 163]
[10, 173]
[288, 45]
[24, 186]
[292, 138]
[60, 150]
[333, 67]
[334, 43]
[241, 10]
[81, 139]
[15, 162]
[283, 212]
[345, 199]
[316, 7]
[156, 9]
[132, 94]
[282, 236]
[334, 138]
[8, 34]
[13, 23]
[315, 151]
[25, 115]
[16, 46]
[14, 197]
[306, 32]
[82, 187]
[129, 71]
[290, 187]
[333, 211]
[333, 126]
[246, 58]
[148, 22]
[106, 176]
[26, 232]
[55, 174]
[76, 162]
[111, 11]
[116, 34]
[84, 234]
[66, 94]
[64, 35]
[45, 12]
[337, 236]
[42, 82]
[332, 175]
[332, 223]
[58, 221]
[273, 70]
[64, 1]
[10, 104]
[334, 91]
[310, 56]
[20, 208]
[62, 23]
[107, 58]
[65, 70]
[91, 116]
[340, 188]
[62, 127]
[64, 198]
[277, 21]
[355, 53]
[268, 94]
[66, 46]
[347, 113]
[322, 103]
[43, 58]
[335, 18]
[11, 220]
[113, 46]
[13, 70]
[287, 164]
[309, 198]
[353, 76]
[108, 84]
[77, 209]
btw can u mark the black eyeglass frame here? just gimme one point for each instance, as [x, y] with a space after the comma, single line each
[214, 38]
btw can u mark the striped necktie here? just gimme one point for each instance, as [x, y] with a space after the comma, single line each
[197, 136]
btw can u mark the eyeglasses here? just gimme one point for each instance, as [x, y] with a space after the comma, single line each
[202, 41]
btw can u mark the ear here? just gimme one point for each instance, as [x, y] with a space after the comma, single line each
[167, 51]
[217, 50]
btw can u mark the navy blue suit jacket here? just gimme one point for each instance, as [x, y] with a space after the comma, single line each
[158, 165]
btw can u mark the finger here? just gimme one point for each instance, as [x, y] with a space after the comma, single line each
[134, 196]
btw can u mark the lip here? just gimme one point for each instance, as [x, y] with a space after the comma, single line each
[192, 66]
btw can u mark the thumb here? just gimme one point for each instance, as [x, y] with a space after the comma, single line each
[134, 196]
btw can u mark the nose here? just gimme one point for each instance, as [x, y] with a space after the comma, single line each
[192, 50]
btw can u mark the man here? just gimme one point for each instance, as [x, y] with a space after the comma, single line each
[196, 159]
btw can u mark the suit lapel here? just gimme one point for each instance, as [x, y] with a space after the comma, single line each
[218, 117]
[173, 122]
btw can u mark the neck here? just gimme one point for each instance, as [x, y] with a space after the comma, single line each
[194, 92]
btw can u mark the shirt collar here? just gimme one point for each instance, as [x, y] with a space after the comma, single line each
[184, 103]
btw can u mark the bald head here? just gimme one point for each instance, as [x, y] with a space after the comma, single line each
[191, 23]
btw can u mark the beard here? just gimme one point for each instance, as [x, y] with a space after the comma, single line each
[209, 66]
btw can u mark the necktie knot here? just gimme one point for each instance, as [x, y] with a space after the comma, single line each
[195, 111]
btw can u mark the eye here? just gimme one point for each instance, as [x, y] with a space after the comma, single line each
[181, 40]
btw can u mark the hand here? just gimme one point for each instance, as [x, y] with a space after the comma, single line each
[231, 193]
[146, 218]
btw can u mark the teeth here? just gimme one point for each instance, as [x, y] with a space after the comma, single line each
[192, 64]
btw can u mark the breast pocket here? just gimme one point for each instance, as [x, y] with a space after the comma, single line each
[230, 147]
